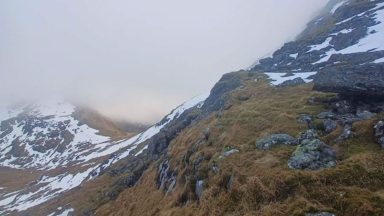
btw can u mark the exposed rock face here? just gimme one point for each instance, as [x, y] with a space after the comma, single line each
[166, 179]
[332, 38]
[312, 155]
[276, 140]
[359, 80]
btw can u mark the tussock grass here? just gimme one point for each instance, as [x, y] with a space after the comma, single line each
[262, 184]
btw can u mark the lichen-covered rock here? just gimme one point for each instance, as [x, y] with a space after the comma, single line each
[276, 140]
[307, 135]
[312, 155]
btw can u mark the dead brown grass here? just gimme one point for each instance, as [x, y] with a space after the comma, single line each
[262, 182]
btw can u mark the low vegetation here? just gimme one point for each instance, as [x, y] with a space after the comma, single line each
[259, 182]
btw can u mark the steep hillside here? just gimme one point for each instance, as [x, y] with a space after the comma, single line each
[274, 146]
[300, 133]
[215, 167]
[51, 148]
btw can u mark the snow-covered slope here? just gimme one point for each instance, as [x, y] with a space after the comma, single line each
[351, 32]
[45, 135]
[41, 131]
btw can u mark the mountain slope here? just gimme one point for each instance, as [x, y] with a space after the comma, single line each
[55, 152]
[264, 141]
[272, 145]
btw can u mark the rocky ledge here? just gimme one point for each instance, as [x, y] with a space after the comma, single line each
[358, 80]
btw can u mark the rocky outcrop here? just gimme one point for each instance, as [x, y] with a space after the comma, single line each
[312, 155]
[357, 80]
[329, 125]
[199, 188]
[307, 135]
[276, 140]
[379, 133]
[166, 178]
[305, 119]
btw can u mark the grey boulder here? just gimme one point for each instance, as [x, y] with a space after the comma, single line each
[312, 155]
[307, 135]
[276, 140]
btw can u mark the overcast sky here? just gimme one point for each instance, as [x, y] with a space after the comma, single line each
[137, 59]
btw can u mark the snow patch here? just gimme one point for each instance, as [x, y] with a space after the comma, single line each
[279, 78]
[321, 46]
[63, 213]
[294, 55]
[49, 187]
[380, 60]
[337, 6]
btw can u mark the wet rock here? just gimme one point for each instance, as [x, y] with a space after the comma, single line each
[307, 135]
[199, 188]
[229, 152]
[295, 82]
[312, 155]
[329, 125]
[276, 140]
[320, 214]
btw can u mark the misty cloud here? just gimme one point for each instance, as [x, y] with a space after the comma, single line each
[137, 59]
